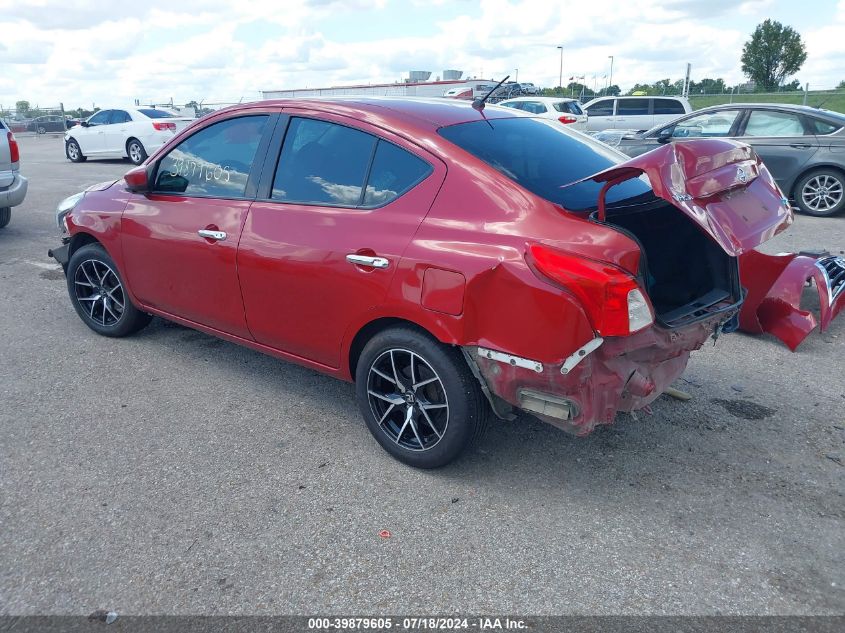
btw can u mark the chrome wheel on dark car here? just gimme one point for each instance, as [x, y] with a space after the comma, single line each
[408, 399]
[821, 193]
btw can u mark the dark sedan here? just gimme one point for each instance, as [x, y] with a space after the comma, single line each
[47, 123]
[803, 147]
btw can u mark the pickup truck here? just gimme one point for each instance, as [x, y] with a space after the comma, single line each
[12, 184]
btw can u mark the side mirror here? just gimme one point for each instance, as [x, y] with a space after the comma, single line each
[665, 135]
[138, 179]
[84, 124]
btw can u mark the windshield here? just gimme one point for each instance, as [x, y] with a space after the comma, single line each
[541, 155]
[155, 114]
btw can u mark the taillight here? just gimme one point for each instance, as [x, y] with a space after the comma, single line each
[567, 118]
[611, 297]
[14, 151]
[161, 125]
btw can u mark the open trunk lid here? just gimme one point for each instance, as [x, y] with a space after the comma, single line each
[720, 185]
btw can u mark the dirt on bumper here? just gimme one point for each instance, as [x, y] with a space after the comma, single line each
[622, 374]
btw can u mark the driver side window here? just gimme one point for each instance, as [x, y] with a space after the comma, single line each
[214, 162]
[707, 125]
[101, 118]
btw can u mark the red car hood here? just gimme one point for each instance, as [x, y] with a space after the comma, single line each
[721, 185]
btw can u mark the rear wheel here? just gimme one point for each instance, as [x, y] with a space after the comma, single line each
[98, 294]
[73, 152]
[419, 398]
[42, 129]
[5, 216]
[821, 192]
[136, 152]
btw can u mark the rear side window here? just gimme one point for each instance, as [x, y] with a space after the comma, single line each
[822, 127]
[534, 107]
[215, 161]
[155, 114]
[770, 123]
[325, 163]
[571, 107]
[119, 116]
[668, 106]
[602, 108]
[516, 105]
[394, 172]
[632, 107]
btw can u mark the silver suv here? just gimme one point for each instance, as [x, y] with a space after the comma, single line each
[12, 184]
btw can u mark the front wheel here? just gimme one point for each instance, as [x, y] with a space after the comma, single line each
[99, 296]
[73, 152]
[5, 216]
[821, 192]
[418, 397]
[136, 152]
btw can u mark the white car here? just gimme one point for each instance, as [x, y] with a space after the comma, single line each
[120, 133]
[567, 111]
[634, 113]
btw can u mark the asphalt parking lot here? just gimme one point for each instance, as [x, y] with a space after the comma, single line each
[172, 472]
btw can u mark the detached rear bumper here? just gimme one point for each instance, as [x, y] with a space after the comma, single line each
[14, 194]
[614, 374]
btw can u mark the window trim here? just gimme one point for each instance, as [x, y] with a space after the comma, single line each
[254, 172]
[268, 174]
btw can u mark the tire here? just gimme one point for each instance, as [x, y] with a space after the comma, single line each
[97, 292]
[5, 216]
[821, 192]
[41, 130]
[73, 152]
[136, 152]
[426, 427]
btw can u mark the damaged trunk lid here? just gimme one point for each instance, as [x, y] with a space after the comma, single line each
[721, 185]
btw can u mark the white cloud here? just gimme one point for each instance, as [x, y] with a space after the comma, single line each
[90, 51]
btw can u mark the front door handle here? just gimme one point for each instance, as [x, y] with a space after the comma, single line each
[801, 145]
[366, 260]
[217, 236]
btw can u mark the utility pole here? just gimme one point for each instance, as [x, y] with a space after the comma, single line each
[560, 78]
[610, 81]
[516, 76]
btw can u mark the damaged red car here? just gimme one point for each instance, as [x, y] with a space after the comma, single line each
[450, 260]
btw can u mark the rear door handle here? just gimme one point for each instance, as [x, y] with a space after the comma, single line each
[208, 234]
[366, 260]
[801, 145]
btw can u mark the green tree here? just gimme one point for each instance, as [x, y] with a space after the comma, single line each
[613, 90]
[22, 107]
[772, 54]
[841, 85]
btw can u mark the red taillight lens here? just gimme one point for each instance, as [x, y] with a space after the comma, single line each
[14, 150]
[567, 119]
[607, 293]
[160, 125]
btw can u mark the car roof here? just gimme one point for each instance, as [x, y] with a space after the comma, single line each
[541, 99]
[422, 112]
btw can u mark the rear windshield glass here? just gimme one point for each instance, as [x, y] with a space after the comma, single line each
[542, 155]
[156, 114]
[568, 106]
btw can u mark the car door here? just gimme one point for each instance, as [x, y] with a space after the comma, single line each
[180, 241]
[633, 114]
[91, 138]
[116, 133]
[601, 113]
[666, 110]
[320, 247]
[782, 140]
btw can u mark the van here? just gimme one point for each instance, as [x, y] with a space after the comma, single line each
[633, 113]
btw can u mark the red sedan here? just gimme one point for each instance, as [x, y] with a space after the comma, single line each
[449, 260]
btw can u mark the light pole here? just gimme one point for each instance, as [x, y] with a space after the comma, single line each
[516, 76]
[610, 81]
[560, 77]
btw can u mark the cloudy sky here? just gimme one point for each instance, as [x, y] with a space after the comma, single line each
[101, 52]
